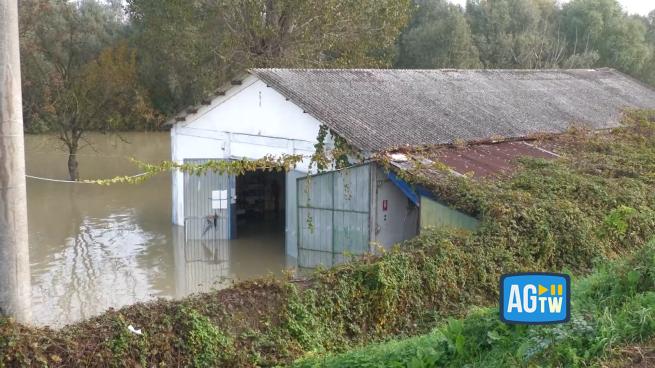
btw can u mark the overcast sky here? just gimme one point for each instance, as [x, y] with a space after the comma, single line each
[642, 7]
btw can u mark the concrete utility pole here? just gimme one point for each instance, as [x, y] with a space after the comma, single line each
[15, 285]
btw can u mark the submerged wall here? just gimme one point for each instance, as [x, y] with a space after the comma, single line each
[251, 121]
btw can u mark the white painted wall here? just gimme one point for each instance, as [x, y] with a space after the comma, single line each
[250, 121]
[400, 221]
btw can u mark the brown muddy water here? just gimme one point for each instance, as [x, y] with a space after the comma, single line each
[98, 247]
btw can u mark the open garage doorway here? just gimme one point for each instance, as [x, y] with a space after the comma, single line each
[260, 206]
[234, 229]
[245, 215]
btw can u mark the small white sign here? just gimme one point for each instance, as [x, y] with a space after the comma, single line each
[219, 194]
[219, 199]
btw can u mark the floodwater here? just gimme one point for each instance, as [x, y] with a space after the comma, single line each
[98, 247]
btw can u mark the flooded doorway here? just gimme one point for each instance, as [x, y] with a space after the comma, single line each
[232, 225]
[260, 204]
[260, 219]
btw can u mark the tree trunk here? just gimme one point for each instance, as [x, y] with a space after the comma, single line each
[73, 171]
[15, 289]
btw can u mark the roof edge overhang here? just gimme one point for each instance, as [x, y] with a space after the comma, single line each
[212, 100]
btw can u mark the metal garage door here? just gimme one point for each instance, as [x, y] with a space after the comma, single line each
[333, 216]
[208, 205]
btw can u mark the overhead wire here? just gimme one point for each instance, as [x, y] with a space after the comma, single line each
[95, 181]
[100, 155]
[75, 181]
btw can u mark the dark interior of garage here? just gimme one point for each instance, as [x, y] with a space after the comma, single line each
[260, 202]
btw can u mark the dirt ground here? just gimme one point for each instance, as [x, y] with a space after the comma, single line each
[635, 356]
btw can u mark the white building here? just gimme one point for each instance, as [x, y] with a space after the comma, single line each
[280, 111]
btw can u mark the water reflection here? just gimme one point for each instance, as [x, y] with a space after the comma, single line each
[200, 265]
[209, 263]
[97, 268]
[95, 247]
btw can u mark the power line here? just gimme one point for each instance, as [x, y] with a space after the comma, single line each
[77, 154]
[75, 182]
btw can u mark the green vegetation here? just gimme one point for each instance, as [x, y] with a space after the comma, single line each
[595, 203]
[614, 305]
[205, 343]
[79, 73]
[528, 34]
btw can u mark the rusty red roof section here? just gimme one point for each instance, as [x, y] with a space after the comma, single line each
[486, 160]
[479, 161]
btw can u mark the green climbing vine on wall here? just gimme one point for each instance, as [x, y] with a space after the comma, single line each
[280, 163]
[338, 157]
[320, 156]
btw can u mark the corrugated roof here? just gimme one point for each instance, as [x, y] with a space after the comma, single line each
[480, 160]
[376, 109]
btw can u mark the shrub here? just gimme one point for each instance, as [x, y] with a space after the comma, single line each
[614, 305]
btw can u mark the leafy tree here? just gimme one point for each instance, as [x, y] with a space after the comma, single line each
[538, 42]
[517, 33]
[177, 42]
[602, 26]
[308, 33]
[530, 34]
[650, 23]
[648, 72]
[79, 77]
[438, 36]
[490, 21]
[205, 43]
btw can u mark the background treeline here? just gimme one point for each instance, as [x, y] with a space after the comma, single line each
[109, 65]
[530, 34]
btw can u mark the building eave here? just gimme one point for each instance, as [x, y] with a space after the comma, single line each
[215, 99]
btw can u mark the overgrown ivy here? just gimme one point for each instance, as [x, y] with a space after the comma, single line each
[612, 306]
[280, 163]
[322, 158]
[339, 156]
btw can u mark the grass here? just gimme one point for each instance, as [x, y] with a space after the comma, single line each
[613, 306]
